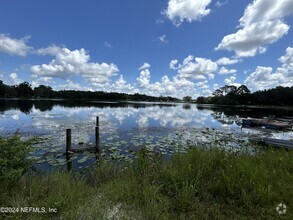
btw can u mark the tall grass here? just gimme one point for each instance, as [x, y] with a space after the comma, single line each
[208, 184]
[201, 184]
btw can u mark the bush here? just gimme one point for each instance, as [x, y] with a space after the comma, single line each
[13, 161]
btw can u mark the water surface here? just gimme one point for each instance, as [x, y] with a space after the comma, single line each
[126, 127]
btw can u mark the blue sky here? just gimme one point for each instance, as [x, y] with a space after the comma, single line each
[156, 47]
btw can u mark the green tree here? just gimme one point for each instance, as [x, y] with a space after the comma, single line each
[201, 100]
[10, 91]
[24, 89]
[187, 98]
[228, 89]
[241, 90]
[2, 89]
[218, 92]
[43, 91]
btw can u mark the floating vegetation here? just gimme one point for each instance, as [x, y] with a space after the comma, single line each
[123, 145]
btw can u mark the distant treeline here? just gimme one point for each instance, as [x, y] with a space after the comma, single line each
[24, 90]
[232, 95]
[226, 95]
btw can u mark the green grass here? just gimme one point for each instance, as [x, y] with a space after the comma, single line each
[202, 184]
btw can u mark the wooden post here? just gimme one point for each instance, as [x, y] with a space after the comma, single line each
[97, 138]
[97, 122]
[68, 140]
[69, 162]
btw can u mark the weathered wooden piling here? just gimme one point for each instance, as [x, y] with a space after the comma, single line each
[97, 121]
[68, 140]
[97, 134]
[214, 136]
[69, 162]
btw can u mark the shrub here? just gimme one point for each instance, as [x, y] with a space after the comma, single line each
[13, 161]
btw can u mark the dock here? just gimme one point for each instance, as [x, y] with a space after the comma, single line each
[71, 150]
[267, 123]
[279, 143]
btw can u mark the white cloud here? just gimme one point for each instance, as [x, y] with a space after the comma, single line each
[68, 63]
[173, 64]
[261, 10]
[262, 50]
[287, 59]
[220, 4]
[96, 73]
[108, 45]
[52, 50]
[160, 21]
[42, 81]
[189, 10]
[121, 85]
[249, 41]
[70, 85]
[230, 81]
[207, 92]
[182, 82]
[197, 68]
[261, 24]
[163, 39]
[14, 79]
[178, 87]
[13, 76]
[144, 66]
[202, 85]
[211, 76]
[224, 71]
[216, 86]
[144, 78]
[14, 46]
[265, 78]
[226, 61]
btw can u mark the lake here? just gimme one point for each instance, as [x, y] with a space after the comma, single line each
[126, 127]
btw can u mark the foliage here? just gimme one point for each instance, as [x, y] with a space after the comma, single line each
[24, 90]
[43, 91]
[13, 161]
[202, 184]
[231, 95]
[187, 98]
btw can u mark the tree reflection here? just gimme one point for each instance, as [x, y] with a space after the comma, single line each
[44, 105]
[186, 106]
[26, 105]
[233, 114]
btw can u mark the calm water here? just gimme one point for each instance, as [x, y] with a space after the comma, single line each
[126, 127]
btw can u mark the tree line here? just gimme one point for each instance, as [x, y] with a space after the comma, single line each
[25, 90]
[226, 95]
[232, 95]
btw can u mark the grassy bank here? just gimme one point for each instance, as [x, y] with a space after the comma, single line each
[202, 184]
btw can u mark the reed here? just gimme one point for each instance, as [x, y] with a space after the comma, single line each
[201, 184]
